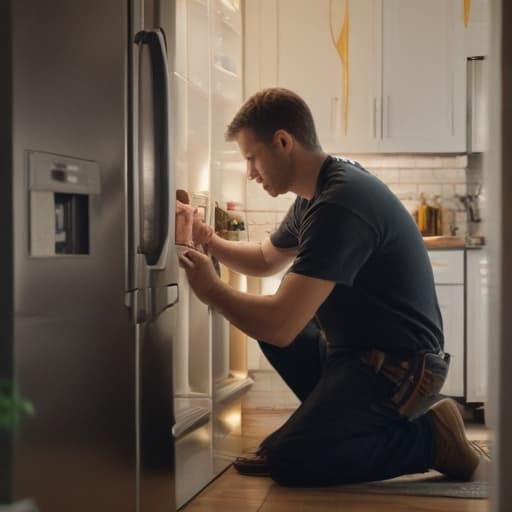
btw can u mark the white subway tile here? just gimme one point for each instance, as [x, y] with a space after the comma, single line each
[447, 190]
[430, 189]
[448, 161]
[389, 162]
[461, 161]
[405, 190]
[389, 175]
[406, 162]
[450, 175]
[416, 176]
[428, 161]
[259, 217]
[461, 189]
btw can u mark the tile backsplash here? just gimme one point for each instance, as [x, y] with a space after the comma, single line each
[407, 176]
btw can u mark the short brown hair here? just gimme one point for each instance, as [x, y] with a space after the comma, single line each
[275, 109]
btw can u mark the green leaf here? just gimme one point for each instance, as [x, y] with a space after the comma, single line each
[13, 407]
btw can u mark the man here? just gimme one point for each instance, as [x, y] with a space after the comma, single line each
[354, 328]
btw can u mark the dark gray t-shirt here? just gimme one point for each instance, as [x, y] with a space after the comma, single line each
[356, 233]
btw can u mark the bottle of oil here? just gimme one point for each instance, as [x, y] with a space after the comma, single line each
[423, 211]
[437, 227]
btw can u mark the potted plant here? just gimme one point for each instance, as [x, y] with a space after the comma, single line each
[13, 408]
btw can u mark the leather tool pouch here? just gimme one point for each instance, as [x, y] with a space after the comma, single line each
[418, 380]
[420, 389]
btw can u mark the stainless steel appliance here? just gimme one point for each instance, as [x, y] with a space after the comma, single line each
[88, 271]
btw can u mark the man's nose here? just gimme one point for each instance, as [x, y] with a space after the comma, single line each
[251, 171]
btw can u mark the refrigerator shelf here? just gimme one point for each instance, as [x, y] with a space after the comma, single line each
[231, 389]
[190, 419]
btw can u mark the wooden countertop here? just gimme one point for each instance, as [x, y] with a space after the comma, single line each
[444, 242]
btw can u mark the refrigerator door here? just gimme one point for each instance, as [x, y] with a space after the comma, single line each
[152, 288]
[71, 346]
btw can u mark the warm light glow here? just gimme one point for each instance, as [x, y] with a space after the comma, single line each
[203, 435]
[203, 182]
[232, 5]
[233, 419]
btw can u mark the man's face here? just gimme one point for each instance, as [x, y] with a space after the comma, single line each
[267, 163]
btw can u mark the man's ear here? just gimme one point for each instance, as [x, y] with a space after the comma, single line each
[284, 140]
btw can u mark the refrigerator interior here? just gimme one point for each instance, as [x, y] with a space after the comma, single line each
[210, 361]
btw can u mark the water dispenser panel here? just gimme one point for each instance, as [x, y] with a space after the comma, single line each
[60, 188]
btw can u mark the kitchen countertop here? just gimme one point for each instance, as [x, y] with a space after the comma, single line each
[448, 242]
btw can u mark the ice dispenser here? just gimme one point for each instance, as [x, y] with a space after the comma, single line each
[60, 189]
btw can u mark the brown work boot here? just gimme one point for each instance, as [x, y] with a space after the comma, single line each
[454, 454]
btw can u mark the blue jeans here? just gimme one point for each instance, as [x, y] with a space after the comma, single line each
[343, 431]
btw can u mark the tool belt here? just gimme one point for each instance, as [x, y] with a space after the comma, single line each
[418, 379]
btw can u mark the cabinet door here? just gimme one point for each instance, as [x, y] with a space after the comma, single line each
[476, 326]
[309, 64]
[423, 76]
[451, 303]
[477, 32]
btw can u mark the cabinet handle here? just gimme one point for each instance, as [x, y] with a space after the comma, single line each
[374, 117]
[377, 117]
[385, 116]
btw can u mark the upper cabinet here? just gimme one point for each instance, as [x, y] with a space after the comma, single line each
[379, 75]
[312, 41]
[477, 33]
[423, 76]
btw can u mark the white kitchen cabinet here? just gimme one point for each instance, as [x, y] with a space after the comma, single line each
[423, 76]
[406, 70]
[476, 325]
[310, 65]
[477, 32]
[448, 268]
[451, 303]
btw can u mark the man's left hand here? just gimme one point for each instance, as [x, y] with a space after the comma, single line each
[201, 274]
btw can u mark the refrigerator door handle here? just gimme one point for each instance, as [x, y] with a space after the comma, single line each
[162, 298]
[153, 146]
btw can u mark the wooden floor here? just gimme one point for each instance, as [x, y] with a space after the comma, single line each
[232, 492]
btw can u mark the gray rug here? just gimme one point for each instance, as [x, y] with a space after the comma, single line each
[427, 485]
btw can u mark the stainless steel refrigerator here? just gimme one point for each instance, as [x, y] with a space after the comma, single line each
[88, 271]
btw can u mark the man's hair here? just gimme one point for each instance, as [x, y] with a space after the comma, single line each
[275, 109]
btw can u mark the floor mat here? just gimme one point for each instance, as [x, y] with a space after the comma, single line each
[428, 484]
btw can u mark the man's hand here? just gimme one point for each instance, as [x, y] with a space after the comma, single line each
[201, 275]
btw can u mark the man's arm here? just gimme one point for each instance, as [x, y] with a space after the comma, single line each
[276, 319]
[251, 258]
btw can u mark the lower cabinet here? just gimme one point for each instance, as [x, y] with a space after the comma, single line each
[461, 284]
[477, 340]
[448, 268]
[451, 303]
